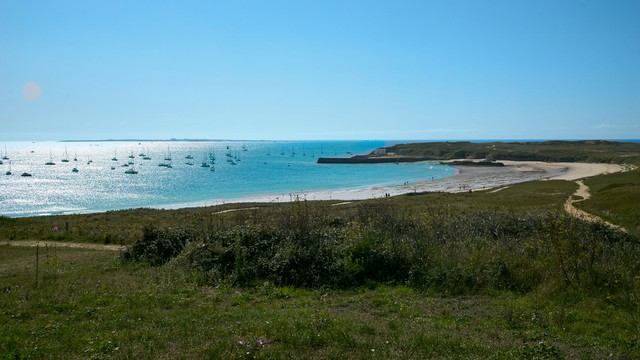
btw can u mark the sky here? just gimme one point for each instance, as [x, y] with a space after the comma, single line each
[315, 70]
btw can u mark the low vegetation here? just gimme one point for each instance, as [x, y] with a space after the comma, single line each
[600, 151]
[319, 281]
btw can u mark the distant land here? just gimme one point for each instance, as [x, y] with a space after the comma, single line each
[594, 151]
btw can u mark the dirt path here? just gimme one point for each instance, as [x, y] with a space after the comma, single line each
[583, 193]
[87, 246]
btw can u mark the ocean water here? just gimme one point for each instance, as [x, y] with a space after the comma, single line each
[242, 170]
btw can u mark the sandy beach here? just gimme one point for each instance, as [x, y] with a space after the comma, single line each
[466, 178]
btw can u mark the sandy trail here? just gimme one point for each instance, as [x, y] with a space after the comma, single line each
[86, 246]
[583, 193]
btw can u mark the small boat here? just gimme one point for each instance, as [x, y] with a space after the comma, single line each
[131, 171]
[213, 168]
[205, 165]
[167, 165]
[50, 162]
[189, 163]
[113, 168]
[75, 170]
[25, 174]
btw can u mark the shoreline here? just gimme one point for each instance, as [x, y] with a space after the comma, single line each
[466, 179]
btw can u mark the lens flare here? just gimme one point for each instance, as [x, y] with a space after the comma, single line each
[32, 91]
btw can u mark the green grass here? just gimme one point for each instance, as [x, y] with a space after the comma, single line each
[557, 151]
[616, 198]
[90, 305]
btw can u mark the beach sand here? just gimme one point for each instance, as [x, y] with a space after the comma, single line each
[466, 178]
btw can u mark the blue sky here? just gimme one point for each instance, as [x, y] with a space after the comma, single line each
[319, 69]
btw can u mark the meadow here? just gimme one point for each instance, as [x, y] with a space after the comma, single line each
[504, 275]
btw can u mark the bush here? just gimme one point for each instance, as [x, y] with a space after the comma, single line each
[463, 253]
[157, 246]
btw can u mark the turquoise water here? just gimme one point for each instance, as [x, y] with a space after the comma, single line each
[242, 170]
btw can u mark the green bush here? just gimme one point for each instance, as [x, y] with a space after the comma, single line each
[157, 246]
[302, 246]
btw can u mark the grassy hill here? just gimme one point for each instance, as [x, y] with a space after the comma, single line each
[553, 151]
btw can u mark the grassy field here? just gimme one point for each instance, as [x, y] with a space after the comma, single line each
[88, 304]
[557, 151]
[616, 198]
[481, 275]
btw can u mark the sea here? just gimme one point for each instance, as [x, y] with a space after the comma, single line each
[97, 176]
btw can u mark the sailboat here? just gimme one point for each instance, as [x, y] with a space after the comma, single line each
[50, 162]
[205, 164]
[9, 171]
[65, 159]
[115, 155]
[75, 156]
[131, 170]
[6, 153]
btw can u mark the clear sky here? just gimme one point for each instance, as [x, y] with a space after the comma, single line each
[306, 69]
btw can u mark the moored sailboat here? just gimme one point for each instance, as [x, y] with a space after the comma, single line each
[65, 159]
[50, 162]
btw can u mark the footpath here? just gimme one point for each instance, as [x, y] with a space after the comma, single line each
[582, 194]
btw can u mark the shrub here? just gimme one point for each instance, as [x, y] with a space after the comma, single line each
[157, 246]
